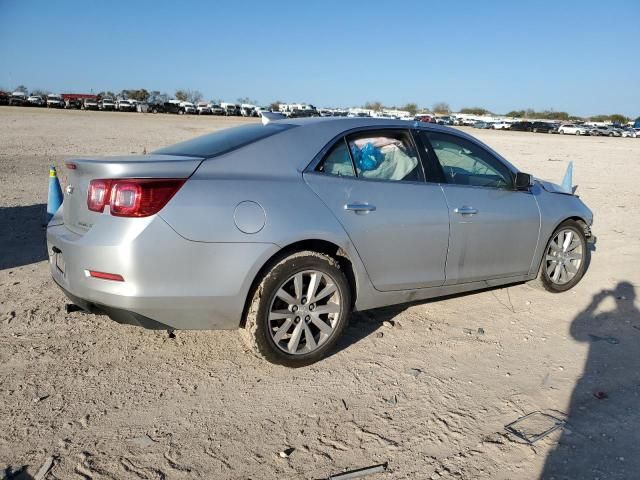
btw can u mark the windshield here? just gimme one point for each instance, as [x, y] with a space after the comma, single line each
[223, 141]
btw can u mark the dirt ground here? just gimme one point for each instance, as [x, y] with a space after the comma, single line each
[427, 387]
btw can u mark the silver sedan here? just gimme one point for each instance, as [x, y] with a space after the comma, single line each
[284, 228]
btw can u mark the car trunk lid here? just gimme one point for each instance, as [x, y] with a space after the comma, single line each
[80, 171]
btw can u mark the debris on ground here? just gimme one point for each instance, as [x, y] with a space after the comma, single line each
[534, 426]
[44, 469]
[361, 472]
[286, 453]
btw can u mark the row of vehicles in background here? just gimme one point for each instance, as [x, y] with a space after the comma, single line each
[560, 128]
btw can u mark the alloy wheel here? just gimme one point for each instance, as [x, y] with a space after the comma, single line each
[564, 256]
[304, 312]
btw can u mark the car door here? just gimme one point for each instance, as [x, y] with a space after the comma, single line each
[374, 184]
[494, 228]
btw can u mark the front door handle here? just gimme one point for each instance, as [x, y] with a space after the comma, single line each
[464, 210]
[360, 207]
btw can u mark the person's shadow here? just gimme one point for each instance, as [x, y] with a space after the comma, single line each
[602, 435]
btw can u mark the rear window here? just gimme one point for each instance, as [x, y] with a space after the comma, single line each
[223, 141]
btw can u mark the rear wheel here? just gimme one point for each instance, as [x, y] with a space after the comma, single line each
[298, 310]
[565, 258]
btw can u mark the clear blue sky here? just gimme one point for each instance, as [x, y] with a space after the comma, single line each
[578, 56]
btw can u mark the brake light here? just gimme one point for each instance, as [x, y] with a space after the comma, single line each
[98, 195]
[132, 197]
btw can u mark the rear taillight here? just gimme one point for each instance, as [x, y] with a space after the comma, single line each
[98, 195]
[132, 197]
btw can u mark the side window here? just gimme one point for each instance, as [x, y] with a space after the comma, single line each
[385, 155]
[465, 163]
[337, 161]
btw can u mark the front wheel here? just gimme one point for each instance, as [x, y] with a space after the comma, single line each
[299, 310]
[565, 258]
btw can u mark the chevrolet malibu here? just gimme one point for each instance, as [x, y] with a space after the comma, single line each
[282, 229]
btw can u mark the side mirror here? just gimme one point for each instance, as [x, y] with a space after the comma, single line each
[523, 181]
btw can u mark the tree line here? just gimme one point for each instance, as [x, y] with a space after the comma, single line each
[442, 108]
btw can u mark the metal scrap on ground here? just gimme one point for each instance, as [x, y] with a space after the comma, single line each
[534, 426]
[361, 472]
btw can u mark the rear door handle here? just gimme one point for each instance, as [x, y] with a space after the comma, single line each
[360, 207]
[464, 210]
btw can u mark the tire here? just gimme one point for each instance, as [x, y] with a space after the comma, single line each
[548, 278]
[578, 132]
[154, 110]
[561, 132]
[294, 315]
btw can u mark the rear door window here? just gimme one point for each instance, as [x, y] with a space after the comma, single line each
[385, 155]
[338, 161]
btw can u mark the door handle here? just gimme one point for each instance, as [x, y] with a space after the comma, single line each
[360, 207]
[464, 210]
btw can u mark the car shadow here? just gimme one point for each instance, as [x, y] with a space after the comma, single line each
[22, 236]
[602, 435]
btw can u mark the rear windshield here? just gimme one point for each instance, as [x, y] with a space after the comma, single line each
[223, 141]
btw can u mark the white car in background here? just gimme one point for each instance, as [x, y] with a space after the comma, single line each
[573, 129]
[187, 107]
[203, 108]
[501, 125]
[216, 109]
[55, 101]
[629, 133]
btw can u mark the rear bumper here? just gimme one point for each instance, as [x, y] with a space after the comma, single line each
[169, 282]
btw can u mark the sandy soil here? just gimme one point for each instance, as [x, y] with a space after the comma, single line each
[427, 388]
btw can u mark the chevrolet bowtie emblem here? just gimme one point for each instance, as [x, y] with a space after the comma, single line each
[69, 189]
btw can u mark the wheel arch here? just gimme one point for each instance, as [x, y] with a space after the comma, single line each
[313, 244]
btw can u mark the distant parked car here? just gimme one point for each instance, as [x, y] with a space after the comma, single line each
[36, 101]
[203, 108]
[542, 127]
[187, 107]
[573, 129]
[18, 99]
[54, 101]
[482, 124]
[73, 104]
[445, 120]
[125, 106]
[89, 104]
[216, 109]
[107, 104]
[229, 109]
[629, 133]
[522, 126]
[4, 98]
[425, 118]
[247, 110]
[604, 131]
[501, 125]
